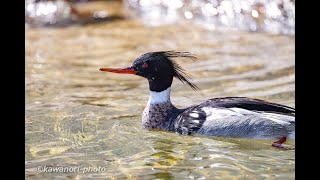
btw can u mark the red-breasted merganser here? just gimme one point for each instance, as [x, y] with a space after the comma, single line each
[236, 117]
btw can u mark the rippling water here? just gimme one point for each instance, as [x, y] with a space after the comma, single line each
[79, 116]
[274, 16]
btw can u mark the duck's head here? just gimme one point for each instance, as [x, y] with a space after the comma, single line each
[159, 68]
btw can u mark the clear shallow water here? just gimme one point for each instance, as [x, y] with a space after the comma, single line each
[79, 116]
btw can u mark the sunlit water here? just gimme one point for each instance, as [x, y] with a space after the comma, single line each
[77, 116]
[274, 16]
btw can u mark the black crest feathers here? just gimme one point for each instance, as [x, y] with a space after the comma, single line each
[179, 71]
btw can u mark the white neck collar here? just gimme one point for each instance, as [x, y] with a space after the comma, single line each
[159, 97]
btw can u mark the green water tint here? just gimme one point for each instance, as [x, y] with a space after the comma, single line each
[79, 116]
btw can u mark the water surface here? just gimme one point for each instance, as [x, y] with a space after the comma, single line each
[79, 116]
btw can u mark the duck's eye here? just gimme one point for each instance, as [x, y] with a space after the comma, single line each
[145, 65]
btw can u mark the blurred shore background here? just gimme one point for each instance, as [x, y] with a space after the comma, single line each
[275, 16]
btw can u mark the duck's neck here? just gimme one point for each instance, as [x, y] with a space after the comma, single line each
[157, 113]
[162, 97]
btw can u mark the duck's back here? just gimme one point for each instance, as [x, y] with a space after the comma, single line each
[238, 117]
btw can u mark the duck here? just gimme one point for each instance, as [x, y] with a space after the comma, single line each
[230, 117]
